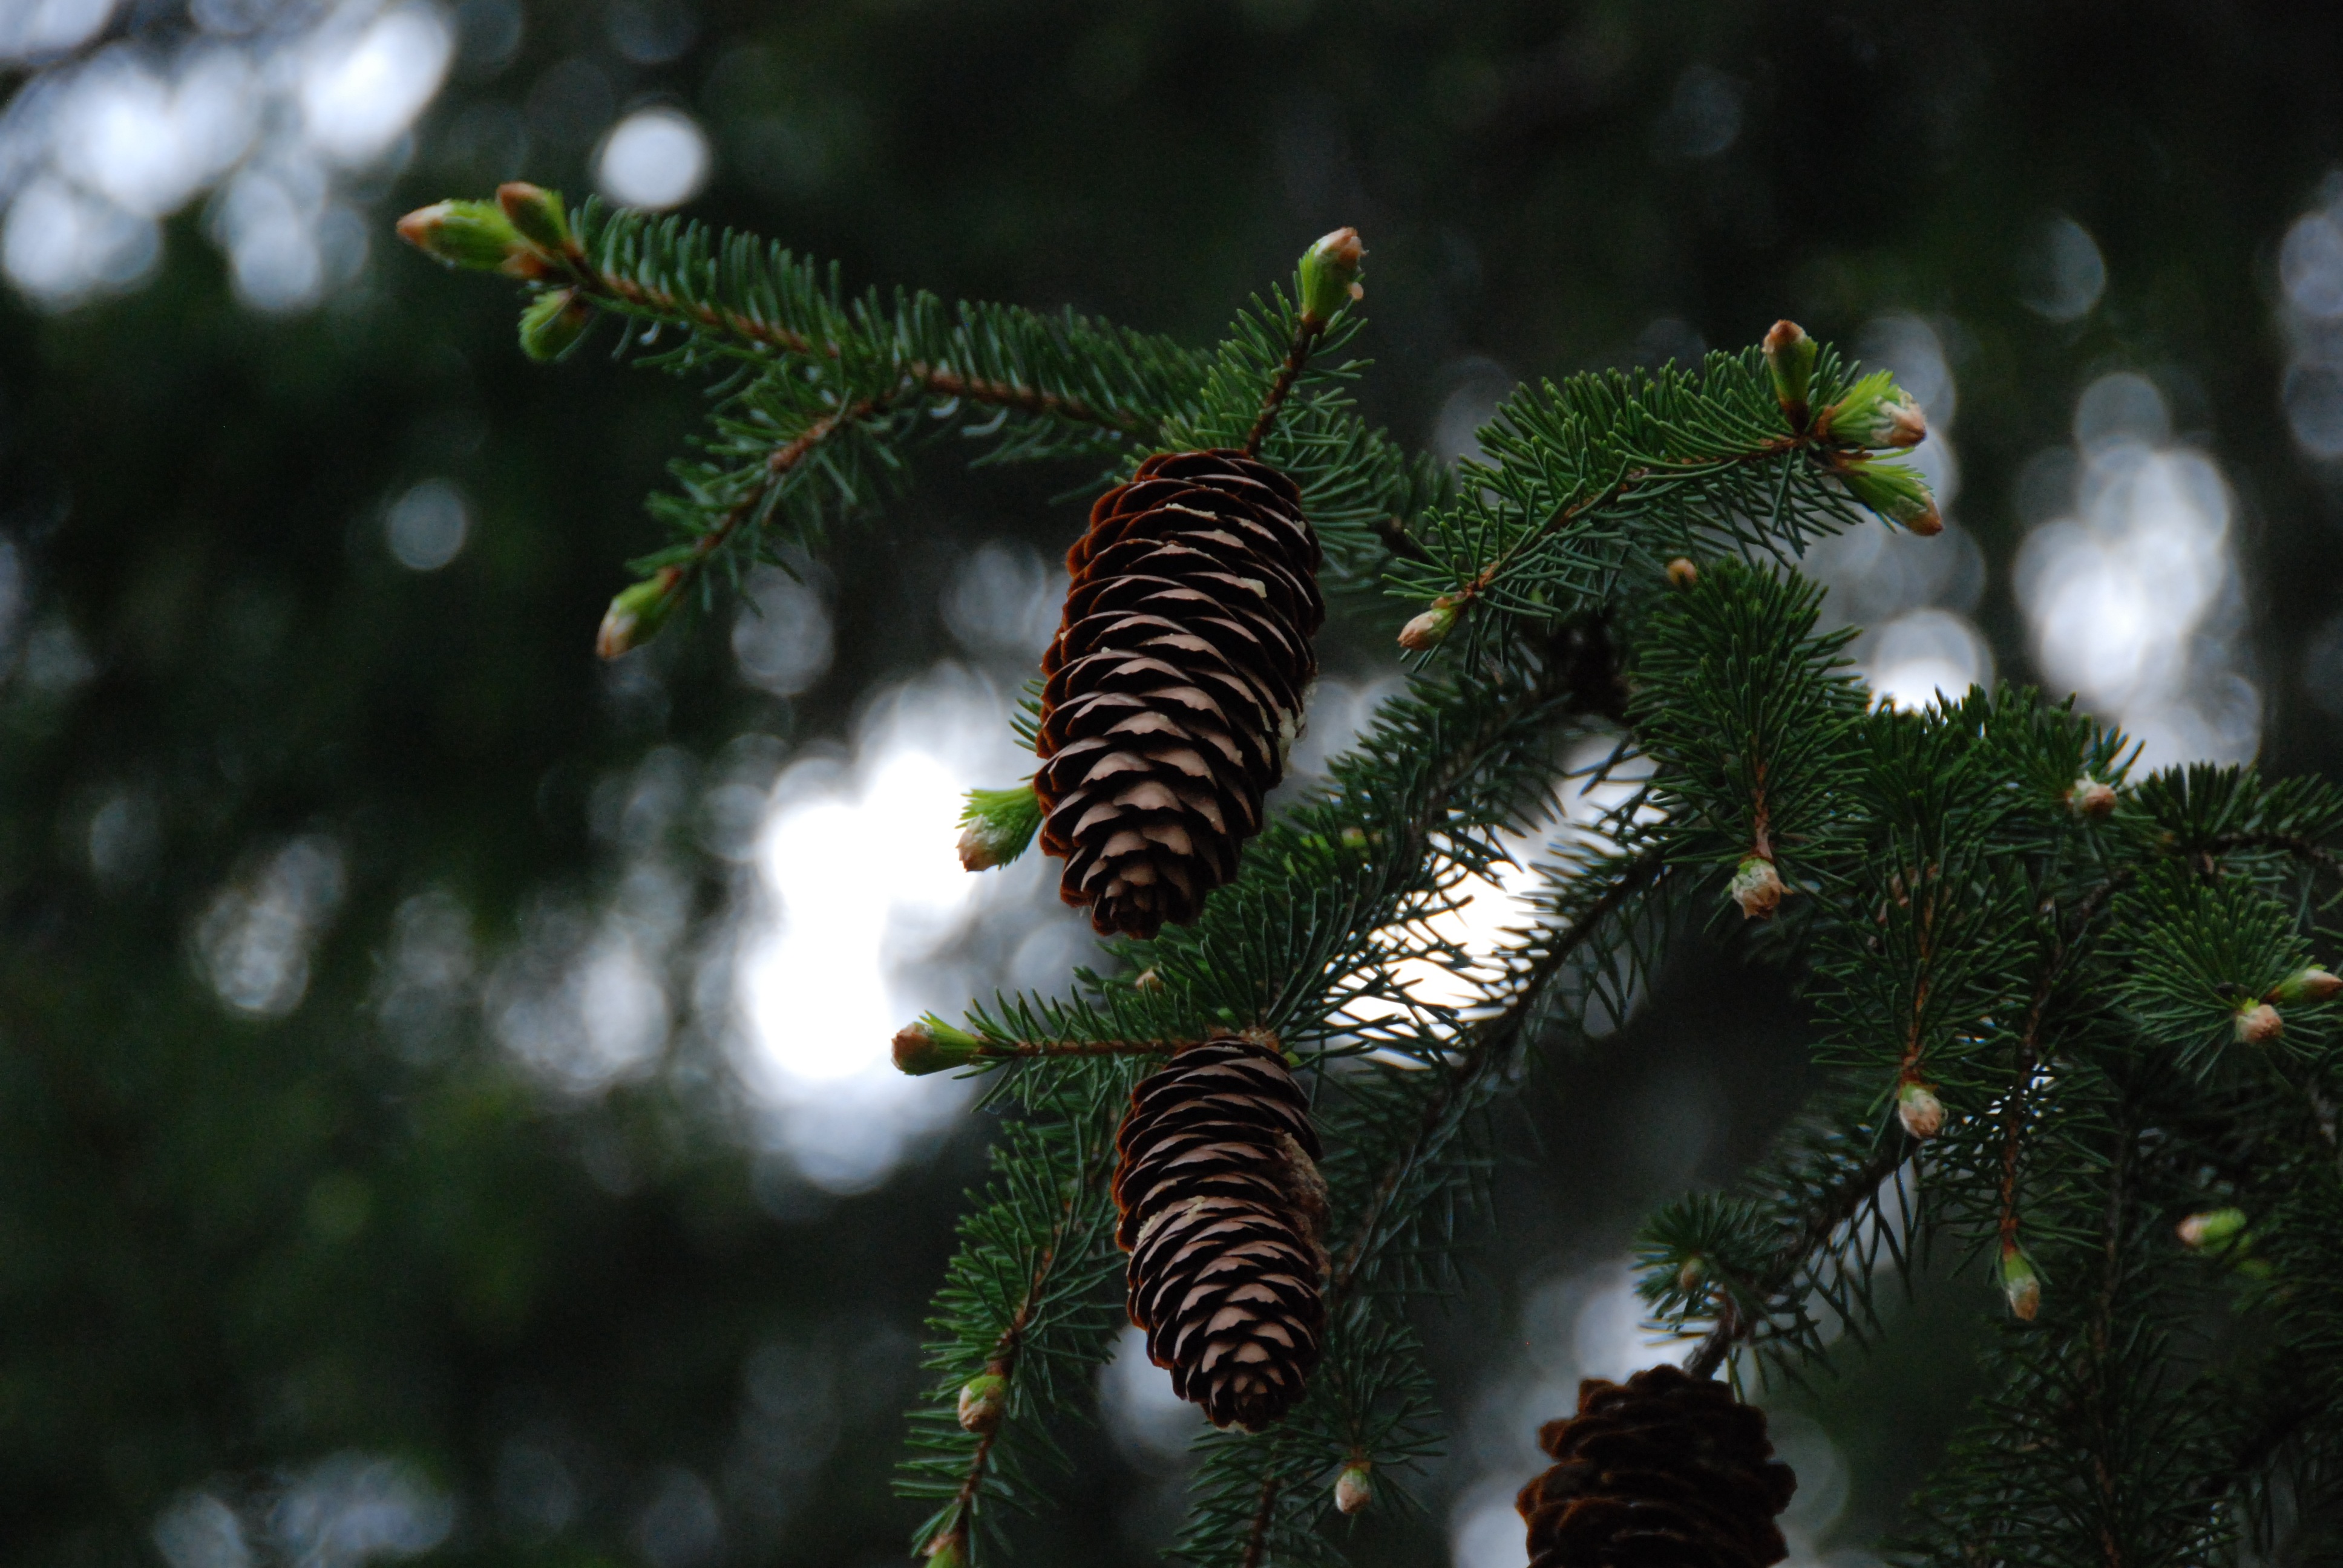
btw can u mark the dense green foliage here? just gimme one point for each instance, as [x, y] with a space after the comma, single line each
[2026, 969]
[236, 1246]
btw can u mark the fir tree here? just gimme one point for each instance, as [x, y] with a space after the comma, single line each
[2075, 1040]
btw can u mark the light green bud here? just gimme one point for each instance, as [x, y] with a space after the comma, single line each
[2019, 1283]
[996, 825]
[1330, 275]
[931, 1045]
[1874, 412]
[536, 212]
[636, 613]
[2306, 986]
[472, 234]
[552, 323]
[1895, 491]
[1790, 358]
[2211, 1228]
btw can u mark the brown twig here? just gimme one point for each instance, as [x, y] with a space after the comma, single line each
[1774, 446]
[1844, 1201]
[624, 294]
[1257, 1538]
[1306, 333]
[1006, 1346]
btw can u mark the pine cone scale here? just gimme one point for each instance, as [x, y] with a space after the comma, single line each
[1221, 1209]
[1181, 662]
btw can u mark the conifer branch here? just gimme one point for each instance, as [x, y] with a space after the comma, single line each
[1840, 1204]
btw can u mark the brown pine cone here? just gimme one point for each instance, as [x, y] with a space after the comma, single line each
[1667, 1471]
[1222, 1208]
[1175, 683]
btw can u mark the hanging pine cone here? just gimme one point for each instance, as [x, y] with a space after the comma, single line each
[1175, 683]
[1667, 1471]
[1222, 1208]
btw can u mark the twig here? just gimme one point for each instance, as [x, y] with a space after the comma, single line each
[1306, 333]
[1006, 1348]
[1257, 1538]
[1840, 1204]
[625, 295]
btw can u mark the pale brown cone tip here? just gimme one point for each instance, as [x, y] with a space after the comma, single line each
[1757, 888]
[1928, 524]
[1785, 335]
[1922, 1113]
[2091, 798]
[1353, 1489]
[2260, 1024]
[979, 848]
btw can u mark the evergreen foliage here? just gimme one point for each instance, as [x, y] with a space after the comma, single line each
[2057, 1010]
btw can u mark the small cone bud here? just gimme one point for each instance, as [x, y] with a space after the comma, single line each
[1875, 415]
[2260, 1024]
[472, 234]
[2304, 986]
[2211, 1228]
[1354, 1488]
[1431, 628]
[1692, 1275]
[552, 323]
[2020, 1282]
[1757, 888]
[931, 1045]
[1790, 356]
[1896, 492]
[1148, 980]
[2091, 799]
[944, 1551]
[996, 826]
[1917, 1107]
[982, 1398]
[1681, 573]
[636, 613]
[1330, 275]
[536, 212]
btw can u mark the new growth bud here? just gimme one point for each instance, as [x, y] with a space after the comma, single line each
[1790, 356]
[1895, 491]
[1875, 413]
[536, 212]
[1330, 275]
[982, 1400]
[1917, 1107]
[2091, 799]
[1757, 888]
[2020, 1282]
[996, 825]
[1147, 979]
[1354, 1488]
[1431, 628]
[931, 1045]
[2260, 1024]
[2304, 986]
[473, 234]
[1692, 1275]
[636, 613]
[552, 323]
[1681, 573]
[2211, 1228]
[944, 1551]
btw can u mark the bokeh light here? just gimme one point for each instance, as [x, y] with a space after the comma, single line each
[2131, 590]
[276, 110]
[654, 158]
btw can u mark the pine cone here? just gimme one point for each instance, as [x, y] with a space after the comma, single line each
[1222, 1208]
[1665, 1472]
[1175, 683]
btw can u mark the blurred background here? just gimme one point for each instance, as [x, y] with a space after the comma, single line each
[444, 1113]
